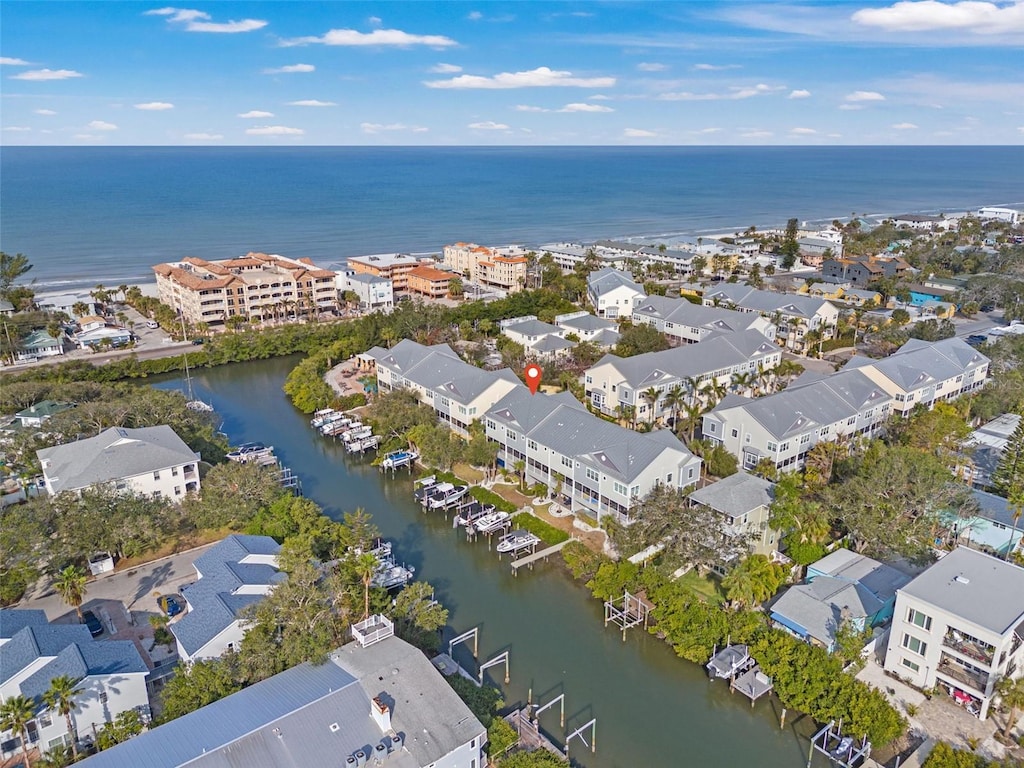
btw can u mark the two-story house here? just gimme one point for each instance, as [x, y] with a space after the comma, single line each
[590, 464]
[613, 293]
[540, 340]
[150, 461]
[959, 628]
[744, 502]
[795, 316]
[587, 327]
[683, 322]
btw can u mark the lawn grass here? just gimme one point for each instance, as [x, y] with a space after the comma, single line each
[708, 588]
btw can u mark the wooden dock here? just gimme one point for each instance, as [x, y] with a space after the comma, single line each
[533, 557]
[530, 736]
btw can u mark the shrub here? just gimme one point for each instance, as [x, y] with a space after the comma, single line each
[581, 561]
[541, 528]
[485, 496]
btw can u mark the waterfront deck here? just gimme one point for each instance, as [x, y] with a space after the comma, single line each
[753, 684]
[530, 736]
[533, 557]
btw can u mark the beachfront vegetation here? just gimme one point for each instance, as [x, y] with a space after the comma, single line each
[946, 756]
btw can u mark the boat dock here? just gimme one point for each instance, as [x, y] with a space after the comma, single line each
[729, 661]
[533, 557]
[530, 736]
[753, 684]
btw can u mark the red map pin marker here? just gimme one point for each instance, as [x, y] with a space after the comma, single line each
[533, 378]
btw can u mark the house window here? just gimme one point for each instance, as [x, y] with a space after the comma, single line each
[914, 645]
[711, 427]
[491, 424]
[734, 432]
[919, 619]
[157, 494]
[174, 471]
[668, 478]
[772, 447]
[620, 489]
[591, 474]
[634, 492]
[156, 475]
[45, 720]
[567, 462]
[177, 490]
[805, 439]
[103, 697]
[531, 444]
[911, 665]
[689, 474]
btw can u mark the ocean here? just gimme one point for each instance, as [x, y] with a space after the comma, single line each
[107, 214]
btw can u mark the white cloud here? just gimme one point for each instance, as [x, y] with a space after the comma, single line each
[735, 92]
[1021, 129]
[802, 131]
[445, 69]
[475, 16]
[578, 107]
[864, 96]
[203, 136]
[375, 21]
[638, 133]
[289, 69]
[46, 112]
[647, 66]
[488, 125]
[756, 134]
[599, 97]
[352, 37]
[154, 106]
[541, 77]
[982, 18]
[714, 67]
[799, 93]
[47, 74]
[379, 127]
[198, 21]
[708, 130]
[851, 107]
[101, 125]
[254, 113]
[274, 130]
[835, 135]
[12, 62]
[905, 127]
[17, 128]
[528, 108]
[311, 103]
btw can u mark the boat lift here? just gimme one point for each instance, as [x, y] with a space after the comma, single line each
[635, 610]
[841, 750]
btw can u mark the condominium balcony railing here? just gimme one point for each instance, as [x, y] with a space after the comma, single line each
[973, 649]
[949, 667]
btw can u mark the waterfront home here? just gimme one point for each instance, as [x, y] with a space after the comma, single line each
[501, 268]
[916, 221]
[684, 322]
[618, 255]
[257, 287]
[841, 587]
[814, 250]
[111, 674]
[993, 526]
[959, 628]
[613, 293]
[429, 282]
[390, 266]
[616, 383]
[230, 576]
[744, 502]
[591, 328]
[925, 372]
[992, 213]
[458, 392]
[375, 293]
[375, 701]
[151, 461]
[985, 448]
[96, 336]
[591, 465]
[39, 344]
[35, 415]
[541, 341]
[67, 303]
[795, 316]
[861, 270]
[781, 428]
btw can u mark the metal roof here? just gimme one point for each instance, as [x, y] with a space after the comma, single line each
[736, 495]
[819, 607]
[768, 301]
[114, 454]
[602, 281]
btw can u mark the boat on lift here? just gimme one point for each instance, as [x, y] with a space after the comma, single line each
[517, 540]
[449, 498]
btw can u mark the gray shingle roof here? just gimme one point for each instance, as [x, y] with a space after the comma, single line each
[919, 363]
[878, 578]
[977, 587]
[13, 620]
[818, 607]
[39, 641]
[533, 328]
[313, 716]
[767, 301]
[113, 454]
[588, 323]
[438, 368]
[551, 344]
[736, 495]
[602, 281]
[682, 312]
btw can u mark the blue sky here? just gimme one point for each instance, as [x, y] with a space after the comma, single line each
[533, 73]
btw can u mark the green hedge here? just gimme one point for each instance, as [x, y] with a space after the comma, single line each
[485, 496]
[545, 531]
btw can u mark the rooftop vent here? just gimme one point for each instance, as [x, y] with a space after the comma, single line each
[961, 579]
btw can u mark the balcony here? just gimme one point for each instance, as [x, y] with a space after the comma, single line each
[970, 647]
[950, 667]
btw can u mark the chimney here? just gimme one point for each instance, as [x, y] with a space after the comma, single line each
[381, 714]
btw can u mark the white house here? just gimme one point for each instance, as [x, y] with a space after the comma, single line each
[458, 392]
[96, 336]
[683, 322]
[925, 372]
[540, 340]
[614, 382]
[66, 302]
[374, 292]
[613, 293]
[232, 575]
[587, 327]
[795, 316]
[39, 344]
[151, 461]
[744, 503]
[593, 465]
[1008, 215]
[959, 628]
[375, 701]
[111, 673]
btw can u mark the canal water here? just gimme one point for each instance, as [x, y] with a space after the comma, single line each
[652, 708]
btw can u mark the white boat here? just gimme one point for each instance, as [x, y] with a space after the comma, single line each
[397, 459]
[334, 423]
[359, 433]
[321, 417]
[391, 575]
[492, 521]
[434, 491]
[423, 486]
[365, 444]
[516, 540]
[472, 511]
[448, 498]
[250, 452]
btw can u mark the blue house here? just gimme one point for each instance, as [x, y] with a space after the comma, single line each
[842, 586]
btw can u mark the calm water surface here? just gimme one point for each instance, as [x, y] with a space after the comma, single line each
[652, 708]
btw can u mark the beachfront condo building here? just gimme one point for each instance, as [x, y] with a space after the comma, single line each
[428, 282]
[958, 628]
[391, 266]
[501, 268]
[258, 287]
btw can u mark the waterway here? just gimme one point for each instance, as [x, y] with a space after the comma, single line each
[652, 708]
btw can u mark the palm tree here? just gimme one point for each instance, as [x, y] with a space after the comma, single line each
[60, 697]
[15, 715]
[70, 585]
[693, 412]
[674, 400]
[1012, 694]
[80, 308]
[651, 395]
[742, 381]
[366, 566]
[692, 384]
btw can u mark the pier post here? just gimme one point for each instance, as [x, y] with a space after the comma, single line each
[782, 720]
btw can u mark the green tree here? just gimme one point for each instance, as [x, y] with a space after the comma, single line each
[197, 684]
[70, 585]
[651, 395]
[11, 268]
[123, 727]
[455, 287]
[900, 317]
[15, 714]
[231, 494]
[849, 642]
[1008, 477]
[394, 413]
[61, 697]
[1011, 693]
[789, 248]
[753, 581]
[638, 339]
[366, 565]
[418, 616]
[539, 758]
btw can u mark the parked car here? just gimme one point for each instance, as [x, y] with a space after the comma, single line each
[988, 308]
[198, 341]
[171, 605]
[93, 623]
[152, 324]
